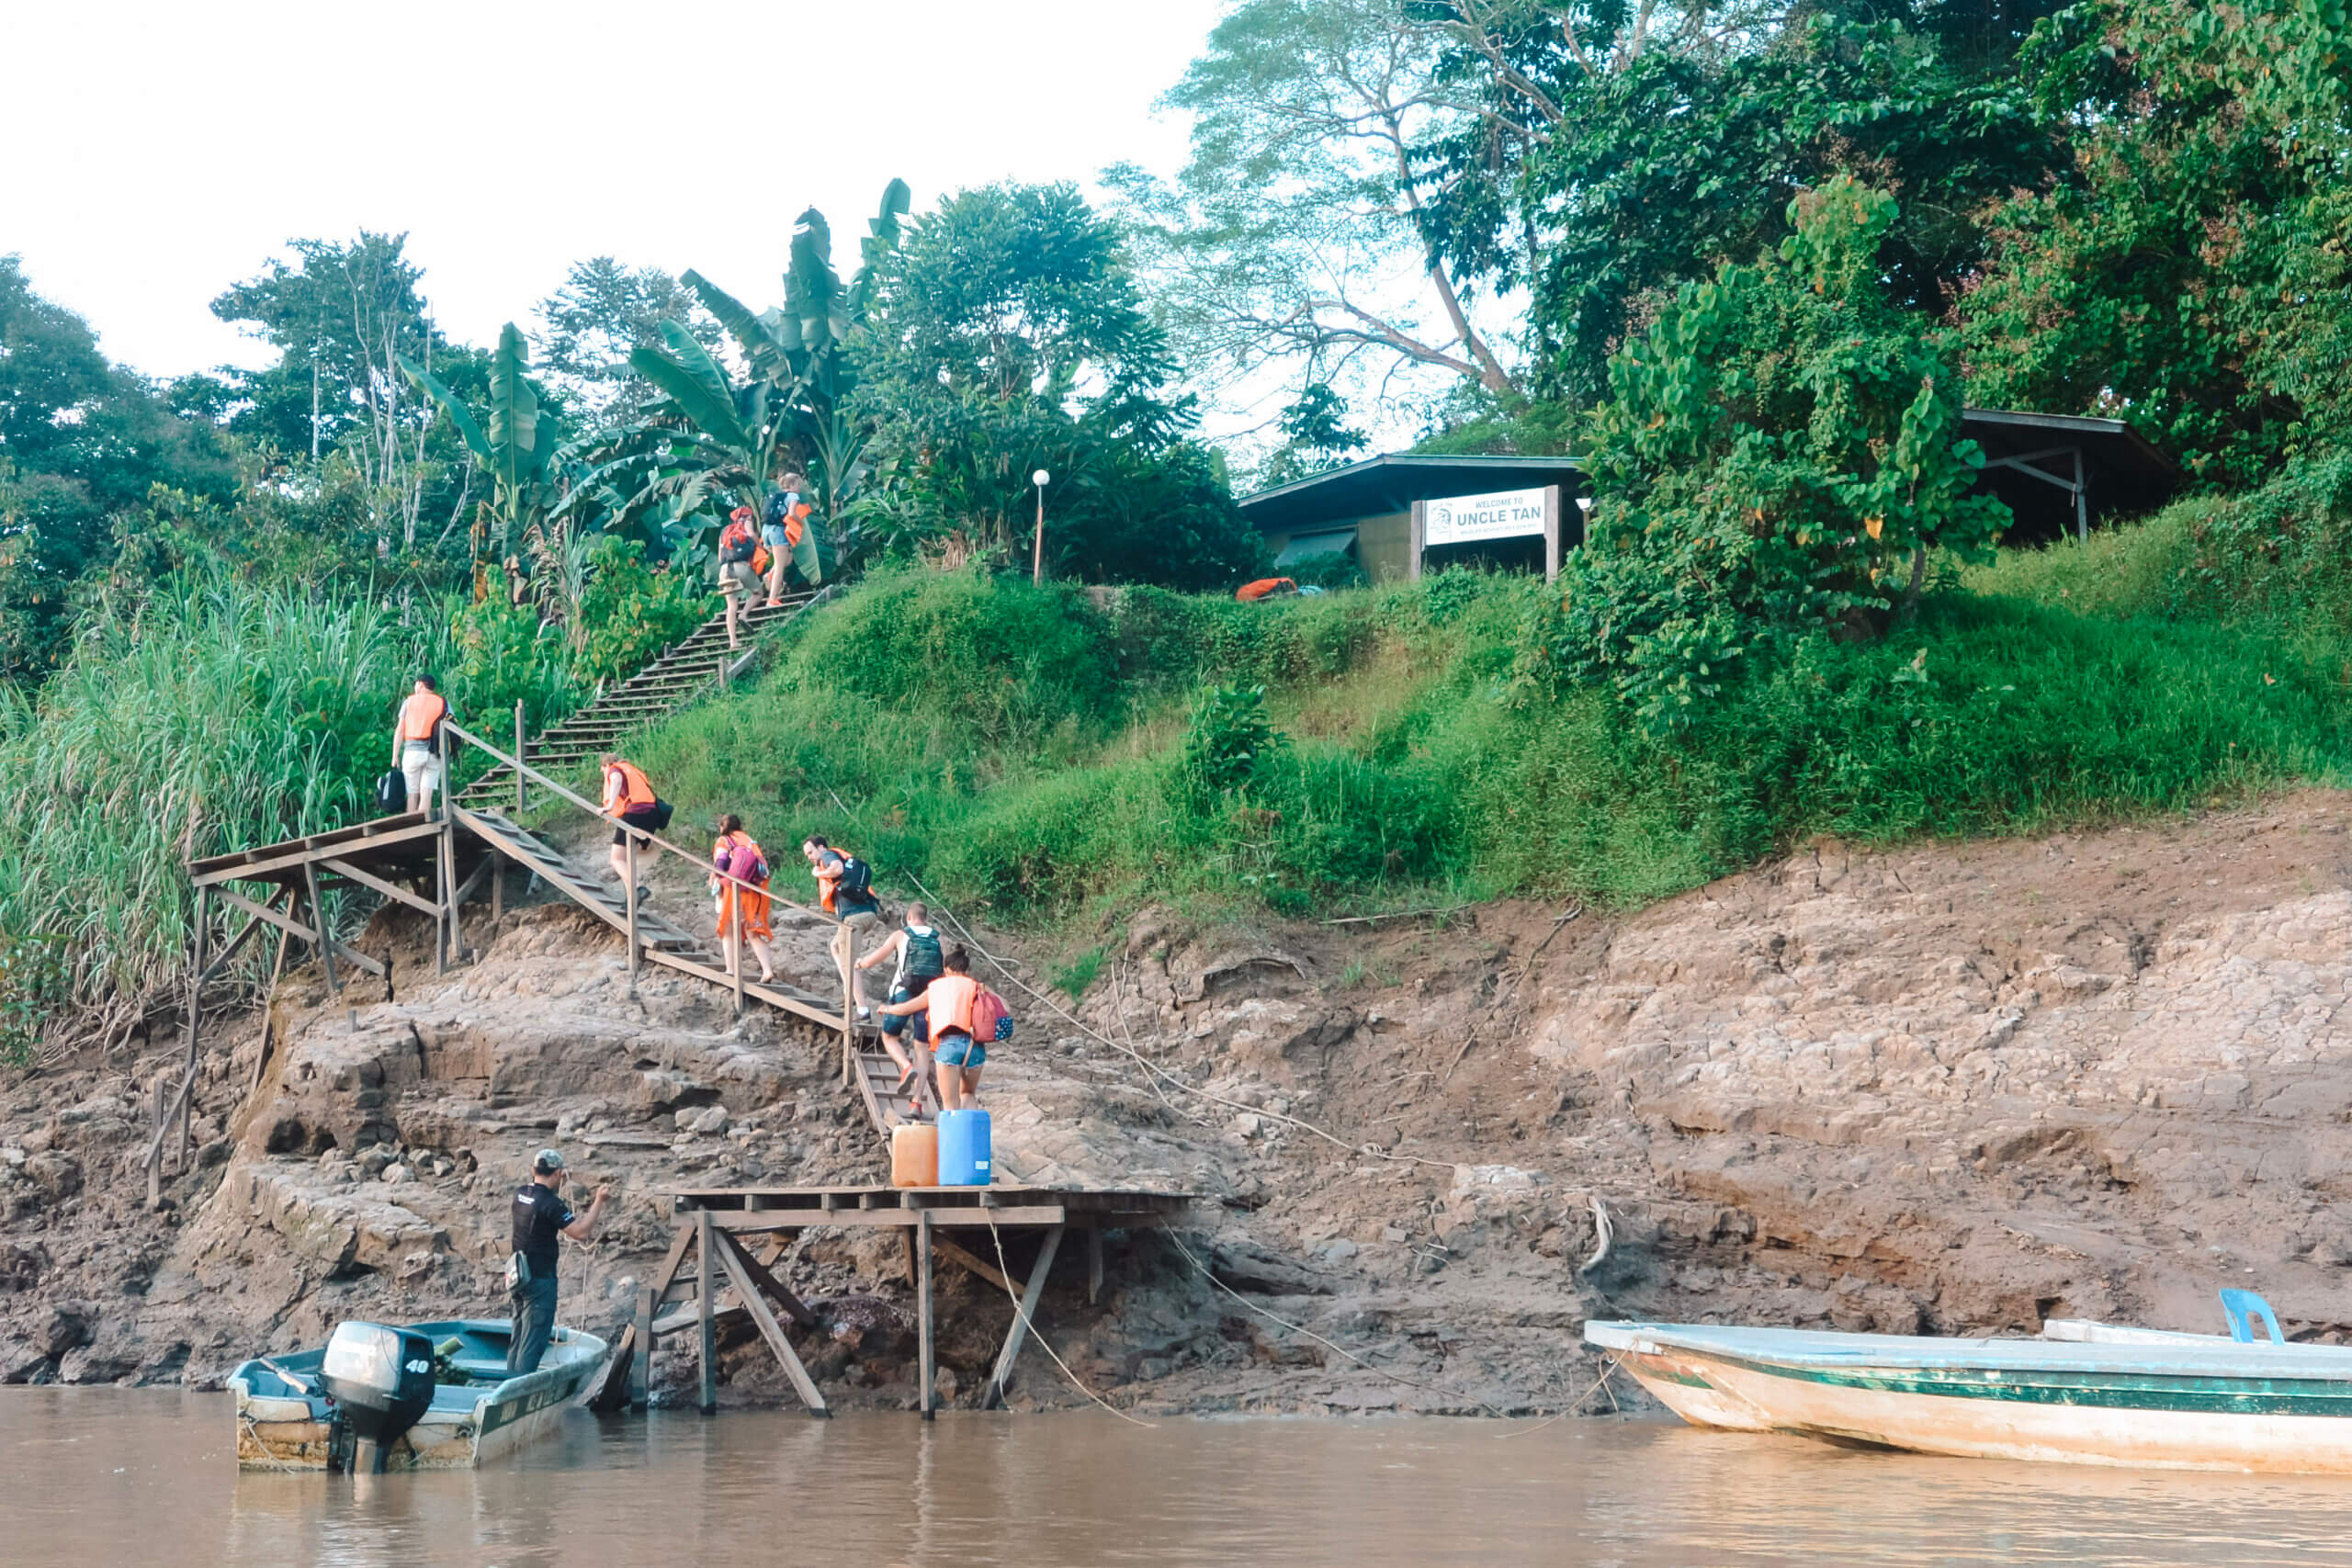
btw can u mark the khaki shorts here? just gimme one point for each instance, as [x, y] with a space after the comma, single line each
[737, 577]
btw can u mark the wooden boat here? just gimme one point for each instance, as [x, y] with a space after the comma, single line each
[285, 1418]
[2083, 1393]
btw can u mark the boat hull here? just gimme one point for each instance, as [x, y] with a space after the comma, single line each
[280, 1429]
[2138, 1418]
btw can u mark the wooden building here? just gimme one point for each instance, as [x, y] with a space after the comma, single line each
[1399, 515]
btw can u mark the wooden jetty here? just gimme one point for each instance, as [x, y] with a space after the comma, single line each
[713, 1225]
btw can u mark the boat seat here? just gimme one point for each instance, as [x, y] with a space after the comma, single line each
[492, 1367]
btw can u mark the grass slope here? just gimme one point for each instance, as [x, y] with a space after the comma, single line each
[1022, 750]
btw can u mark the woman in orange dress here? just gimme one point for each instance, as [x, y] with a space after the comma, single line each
[737, 855]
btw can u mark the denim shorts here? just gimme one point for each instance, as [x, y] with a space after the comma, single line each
[960, 1050]
[773, 536]
[895, 1024]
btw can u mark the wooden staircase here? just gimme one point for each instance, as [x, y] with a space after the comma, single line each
[683, 672]
[866, 1066]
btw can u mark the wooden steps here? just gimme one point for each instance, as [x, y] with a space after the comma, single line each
[872, 1072]
[683, 672]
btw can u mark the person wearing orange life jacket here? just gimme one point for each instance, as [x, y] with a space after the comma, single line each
[782, 529]
[740, 558]
[949, 1000]
[743, 911]
[631, 802]
[845, 891]
[416, 736]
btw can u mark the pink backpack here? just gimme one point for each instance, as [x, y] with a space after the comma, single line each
[991, 1020]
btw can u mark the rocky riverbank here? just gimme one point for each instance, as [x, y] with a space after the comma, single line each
[1943, 1089]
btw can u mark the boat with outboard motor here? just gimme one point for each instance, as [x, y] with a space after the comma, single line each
[2082, 1393]
[419, 1396]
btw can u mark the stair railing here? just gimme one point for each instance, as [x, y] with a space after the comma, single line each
[735, 944]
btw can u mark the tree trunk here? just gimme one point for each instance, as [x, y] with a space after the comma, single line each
[1918, 579]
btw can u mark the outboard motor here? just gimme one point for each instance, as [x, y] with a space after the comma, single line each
[382, 1382]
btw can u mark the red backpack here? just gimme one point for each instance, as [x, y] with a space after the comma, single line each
[991, 1020]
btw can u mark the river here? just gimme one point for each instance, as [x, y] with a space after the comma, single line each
[148, 1477]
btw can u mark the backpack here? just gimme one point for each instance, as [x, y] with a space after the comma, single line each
[737, 543]
[391, 793]
[991, 1020]
[925, 960]
[857, 880]
[756, 870]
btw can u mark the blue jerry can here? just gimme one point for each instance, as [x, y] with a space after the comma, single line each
[963, 1148]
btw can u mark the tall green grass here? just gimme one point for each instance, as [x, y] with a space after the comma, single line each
[200, 715]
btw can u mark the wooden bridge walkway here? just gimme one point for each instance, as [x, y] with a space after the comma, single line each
[712, 1224]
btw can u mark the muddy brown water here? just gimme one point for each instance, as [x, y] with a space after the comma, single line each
[98, 1476]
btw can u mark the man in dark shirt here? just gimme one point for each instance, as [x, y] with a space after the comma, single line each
[541, 1215]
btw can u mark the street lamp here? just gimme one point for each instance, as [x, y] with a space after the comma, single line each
[1037, 558]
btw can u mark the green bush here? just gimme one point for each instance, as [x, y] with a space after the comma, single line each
[1011, 660]
[1229, 740]
[633, 612]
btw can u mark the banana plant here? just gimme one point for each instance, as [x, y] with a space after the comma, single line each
[517, 453]
[708, 443]
[710, 437]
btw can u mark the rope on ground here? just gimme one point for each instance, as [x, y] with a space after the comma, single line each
[1005, 1270]
[1178, 1243]
[1574, 1405]
[1163, 1075]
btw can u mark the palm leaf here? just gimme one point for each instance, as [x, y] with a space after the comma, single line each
[711, 410]
[769, 356]
[812, 289]
[459, 415]
[513, 414]
[877, 247]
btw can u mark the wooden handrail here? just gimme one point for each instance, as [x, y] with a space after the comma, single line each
[471, 738]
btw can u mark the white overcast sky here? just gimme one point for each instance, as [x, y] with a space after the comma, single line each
[161, 150]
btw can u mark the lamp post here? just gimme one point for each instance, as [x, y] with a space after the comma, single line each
[1038, 556]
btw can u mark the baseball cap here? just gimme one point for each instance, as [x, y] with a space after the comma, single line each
[548, 1160]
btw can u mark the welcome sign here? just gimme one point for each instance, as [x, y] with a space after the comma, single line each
[1468, 519]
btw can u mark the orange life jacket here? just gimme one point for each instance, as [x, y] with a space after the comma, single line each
[796, 523]
[826, 882]
[635, 793]
[1265, 587]
[420, 713]
[948, 1004]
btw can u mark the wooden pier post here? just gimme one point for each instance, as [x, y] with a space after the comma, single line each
[451, 951]
[994, 1395]
[631, 891]
[735, 944]
[926, 1369]
[195, 1023]
[155, 1148]
[522, 801]
[707, 1308]
[1093, 1264]
[319, 926]
[746, 1273]
[847, 953]
[640, 1361]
